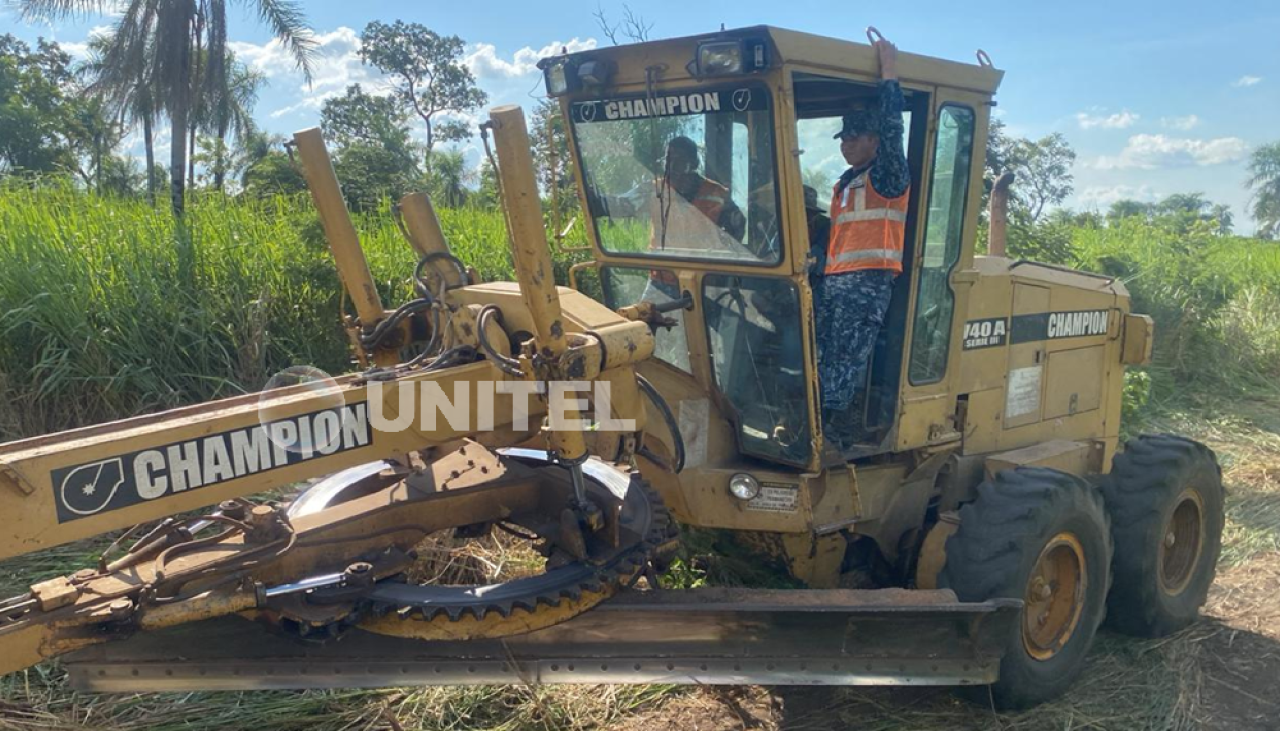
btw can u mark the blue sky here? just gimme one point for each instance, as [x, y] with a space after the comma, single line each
[1156, 97]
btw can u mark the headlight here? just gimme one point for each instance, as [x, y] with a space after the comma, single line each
[724, 58]
[557, 78]
[595, 73]
[743, 486]
[720, 58]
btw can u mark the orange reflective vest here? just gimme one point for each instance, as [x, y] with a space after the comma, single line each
[709, 200]
[867, 229]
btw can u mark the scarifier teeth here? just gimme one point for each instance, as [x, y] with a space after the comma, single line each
[622, 569]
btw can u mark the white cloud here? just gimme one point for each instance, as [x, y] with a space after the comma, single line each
[80, 51]
[485, 63]
[1101, 197]
[337, 65]
[1148, 152]
[1190, 121]
[1246, 80]
[77, 51]
[1121, 120]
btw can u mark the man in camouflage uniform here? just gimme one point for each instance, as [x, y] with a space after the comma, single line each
[864, 253]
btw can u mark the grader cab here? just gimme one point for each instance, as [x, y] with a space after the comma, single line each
[970, 529]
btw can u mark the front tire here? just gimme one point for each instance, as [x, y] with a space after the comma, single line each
[1042, 536]
[1165, 498]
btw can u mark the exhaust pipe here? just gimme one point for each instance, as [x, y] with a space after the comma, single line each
[997, 232]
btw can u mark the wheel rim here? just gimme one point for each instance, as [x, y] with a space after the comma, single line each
[1181, 542]
[1054, 597]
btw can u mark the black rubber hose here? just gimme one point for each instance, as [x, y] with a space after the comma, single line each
[435, 256]
[668, 417]
[505, 363]
[387, 326]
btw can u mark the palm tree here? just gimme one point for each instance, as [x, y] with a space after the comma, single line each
[127, 93]
[222, 113]
[1264, 180]
[1221, 213]
[448, 178]
[156, 38]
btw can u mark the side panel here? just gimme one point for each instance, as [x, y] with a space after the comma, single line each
[1060, 361]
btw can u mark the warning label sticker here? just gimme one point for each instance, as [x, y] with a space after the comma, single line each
[1023, 396]
[776, 498]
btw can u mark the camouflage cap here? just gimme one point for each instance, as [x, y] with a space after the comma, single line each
[859, 122]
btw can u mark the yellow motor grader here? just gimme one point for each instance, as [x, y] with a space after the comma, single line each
[974, 528]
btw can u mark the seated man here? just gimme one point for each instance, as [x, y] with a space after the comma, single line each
[707, 196]
[864, 253]
[819, 224]
[686, 210]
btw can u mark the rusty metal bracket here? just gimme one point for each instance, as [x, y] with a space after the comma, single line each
[16, 478]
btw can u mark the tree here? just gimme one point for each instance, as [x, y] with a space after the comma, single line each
[130, 96]
[357, 116]
[231, 113]
[159, 38]
[1180, 212]
[1264, 181]
[1125, 208]
[253, 147]
[632, 27]
[487, 196]
[118, 175]
[1221, 214]
[1043, 169]
[272, 174]
[430, 78]
[93, 134]
[1193, 204]
[370, 172]
[551, 155]
[448, 179]
[38, 105]
[375, 154]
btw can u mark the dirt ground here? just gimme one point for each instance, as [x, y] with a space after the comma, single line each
[1222, 673]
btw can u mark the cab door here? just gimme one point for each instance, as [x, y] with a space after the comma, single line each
[942, 267]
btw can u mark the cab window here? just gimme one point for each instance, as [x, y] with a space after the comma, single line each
[943, 235]
[628, 285]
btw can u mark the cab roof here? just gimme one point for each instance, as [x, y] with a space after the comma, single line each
[794, 47]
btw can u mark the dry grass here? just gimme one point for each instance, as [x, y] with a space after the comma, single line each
[1219, 674]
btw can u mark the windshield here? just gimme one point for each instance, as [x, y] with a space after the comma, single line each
[682, 175]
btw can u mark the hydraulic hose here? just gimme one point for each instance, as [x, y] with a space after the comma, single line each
[669, 418]
[505, 363]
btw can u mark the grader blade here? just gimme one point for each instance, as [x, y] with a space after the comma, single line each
[698, 636]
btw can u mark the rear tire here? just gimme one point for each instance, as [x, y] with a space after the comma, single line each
[1041, 536]
[1165, 498]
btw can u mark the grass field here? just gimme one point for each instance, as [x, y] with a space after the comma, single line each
[110, 309]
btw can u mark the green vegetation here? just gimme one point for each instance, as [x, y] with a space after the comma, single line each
[109, 308]
[1215, 299]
